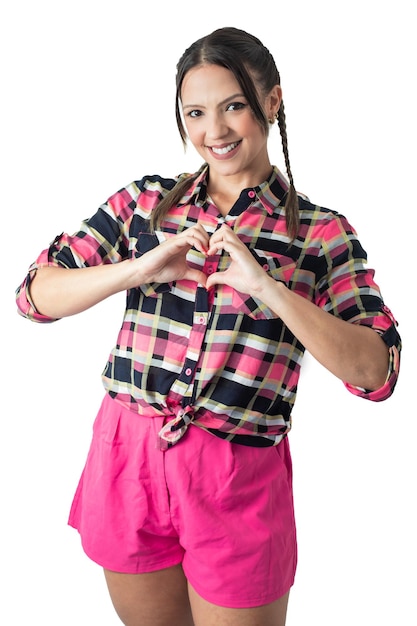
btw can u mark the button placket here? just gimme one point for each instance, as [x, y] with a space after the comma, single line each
[184, 385]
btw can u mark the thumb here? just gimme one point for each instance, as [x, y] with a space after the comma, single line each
[218, 278]
[197, 275]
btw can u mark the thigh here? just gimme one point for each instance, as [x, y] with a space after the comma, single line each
[208, 614]
[154, 599]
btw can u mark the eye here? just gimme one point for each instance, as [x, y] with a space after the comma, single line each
[194, 113]
[235, 106]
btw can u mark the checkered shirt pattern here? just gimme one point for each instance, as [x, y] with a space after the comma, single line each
[220, 358]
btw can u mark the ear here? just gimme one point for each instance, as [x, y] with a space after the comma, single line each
[273, 101]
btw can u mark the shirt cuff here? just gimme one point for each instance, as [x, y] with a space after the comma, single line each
[25, 305]
[384, 392]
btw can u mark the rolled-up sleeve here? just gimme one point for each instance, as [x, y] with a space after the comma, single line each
[386, 325]
[24, 302]
[101, 239]
[348, 290]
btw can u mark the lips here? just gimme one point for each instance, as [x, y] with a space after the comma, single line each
[224, 150]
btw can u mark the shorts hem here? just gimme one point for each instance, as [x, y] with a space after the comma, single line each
[232, 601]
[139, 568]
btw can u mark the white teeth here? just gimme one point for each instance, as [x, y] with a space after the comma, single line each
[225, 150]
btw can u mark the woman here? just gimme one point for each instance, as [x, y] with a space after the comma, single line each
[186, 496]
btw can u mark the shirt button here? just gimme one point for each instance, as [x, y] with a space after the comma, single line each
[251, 193]
[188, 371]
[266, 266]
[201, 320]
[209, 270]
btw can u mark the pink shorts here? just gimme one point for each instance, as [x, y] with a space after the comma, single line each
[223, 510]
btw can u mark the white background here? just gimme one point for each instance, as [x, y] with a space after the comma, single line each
[87, 105]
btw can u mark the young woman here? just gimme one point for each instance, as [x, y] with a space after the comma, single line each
[230, 275]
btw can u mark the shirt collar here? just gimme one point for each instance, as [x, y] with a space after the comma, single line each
[268, 194]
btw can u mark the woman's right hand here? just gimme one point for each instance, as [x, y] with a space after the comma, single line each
[167, 262]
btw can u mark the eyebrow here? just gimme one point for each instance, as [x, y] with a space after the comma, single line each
[228, 99]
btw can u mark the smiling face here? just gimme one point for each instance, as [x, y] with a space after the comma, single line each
[221, 126]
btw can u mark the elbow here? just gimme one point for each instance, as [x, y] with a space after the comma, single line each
[372, 374]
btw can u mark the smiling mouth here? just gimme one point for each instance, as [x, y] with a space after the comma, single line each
[226, 149]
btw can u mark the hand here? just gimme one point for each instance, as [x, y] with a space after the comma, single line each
[244, 273]
[167, 262]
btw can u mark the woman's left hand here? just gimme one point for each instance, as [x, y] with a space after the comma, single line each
[244, 273]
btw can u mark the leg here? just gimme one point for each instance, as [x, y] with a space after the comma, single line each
[207, 614]
[155, 599]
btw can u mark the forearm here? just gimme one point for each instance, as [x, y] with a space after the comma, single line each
[354, 353]
[58, 292]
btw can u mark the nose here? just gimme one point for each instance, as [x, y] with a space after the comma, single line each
[216, 127]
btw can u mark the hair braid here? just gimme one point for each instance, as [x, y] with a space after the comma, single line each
[292, 215]
[172, 198]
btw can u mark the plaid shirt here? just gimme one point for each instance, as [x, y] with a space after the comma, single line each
[221, 358]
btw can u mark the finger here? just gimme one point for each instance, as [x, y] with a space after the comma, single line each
[218, 278]
[222, 232]
[222, 238]
[215, 247]
[199, 245]
[196, 275]
[230, 245]
[198, 240]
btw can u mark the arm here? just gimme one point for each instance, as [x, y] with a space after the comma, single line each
[58, 292]
[355, 354]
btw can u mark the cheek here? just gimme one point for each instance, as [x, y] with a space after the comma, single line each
[196, 136]
[192, 132]
[251, 127]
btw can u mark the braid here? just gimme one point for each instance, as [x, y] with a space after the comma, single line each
[292, 216]
[171, 199]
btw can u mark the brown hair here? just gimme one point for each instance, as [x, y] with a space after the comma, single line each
[245, 56]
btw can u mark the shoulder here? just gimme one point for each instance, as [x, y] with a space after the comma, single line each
[155, 182]
[141, 196]
[143, 193]
[315, 216]
[153, 185]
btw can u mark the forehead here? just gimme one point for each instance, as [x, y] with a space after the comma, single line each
[208, 79]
